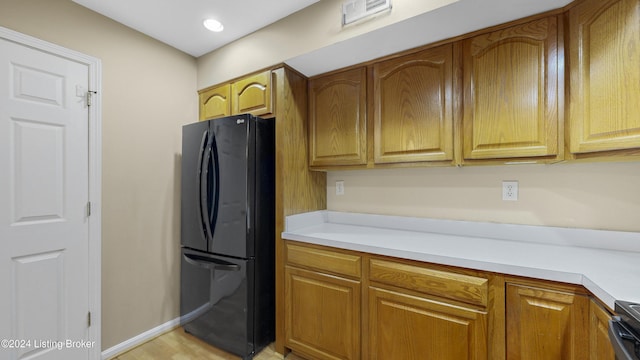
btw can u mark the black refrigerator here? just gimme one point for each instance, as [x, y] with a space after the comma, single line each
[227, 295]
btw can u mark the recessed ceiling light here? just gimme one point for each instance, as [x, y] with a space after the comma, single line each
[213, 25]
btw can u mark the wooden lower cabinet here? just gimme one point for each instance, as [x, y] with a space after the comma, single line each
[403, 326]
[322, 315]
[545, 323]
[599, 343]
[348, 305]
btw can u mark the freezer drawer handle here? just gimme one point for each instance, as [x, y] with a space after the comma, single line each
[209, 263]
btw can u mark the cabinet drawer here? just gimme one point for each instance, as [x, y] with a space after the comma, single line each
[465, 288]
[324, 260]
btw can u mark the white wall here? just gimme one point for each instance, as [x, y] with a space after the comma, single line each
[593, 195]
[313, 40]
[149, 92]
[309, 29]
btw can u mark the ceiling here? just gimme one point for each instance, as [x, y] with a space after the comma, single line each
[458, 18]
[178, 23]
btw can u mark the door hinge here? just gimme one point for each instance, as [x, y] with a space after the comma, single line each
[88, 208]
[90, 97]
[89, 319]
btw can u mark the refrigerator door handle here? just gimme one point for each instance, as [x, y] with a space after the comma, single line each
[213, 151]
[204, 209]
[203, 145]
[210, 263]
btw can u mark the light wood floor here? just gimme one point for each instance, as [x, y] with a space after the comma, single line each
[178, 345]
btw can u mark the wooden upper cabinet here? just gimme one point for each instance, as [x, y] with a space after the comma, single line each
[413, 107]
[604, 58]
[215, 102]
[546, 324]
[511, 92]
[337, 119]
[253, 94]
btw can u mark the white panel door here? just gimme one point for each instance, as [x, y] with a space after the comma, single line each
[43, 196]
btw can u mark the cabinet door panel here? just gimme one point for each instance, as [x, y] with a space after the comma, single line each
[546, 324]
[215, 102]
[413, 102]
[409, 327]
[337, 117]
[599, 343]
[511, 89]
[326, 310]
[253, 94]
[604, 60]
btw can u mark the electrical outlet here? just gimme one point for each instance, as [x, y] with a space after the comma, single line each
[510, 190]
[340, 187]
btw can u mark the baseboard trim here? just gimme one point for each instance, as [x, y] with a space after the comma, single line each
[140, 339]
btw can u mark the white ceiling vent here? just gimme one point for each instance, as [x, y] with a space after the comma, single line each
[354, 10]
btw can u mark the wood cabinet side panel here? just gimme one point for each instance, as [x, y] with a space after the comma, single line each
[298, 190]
